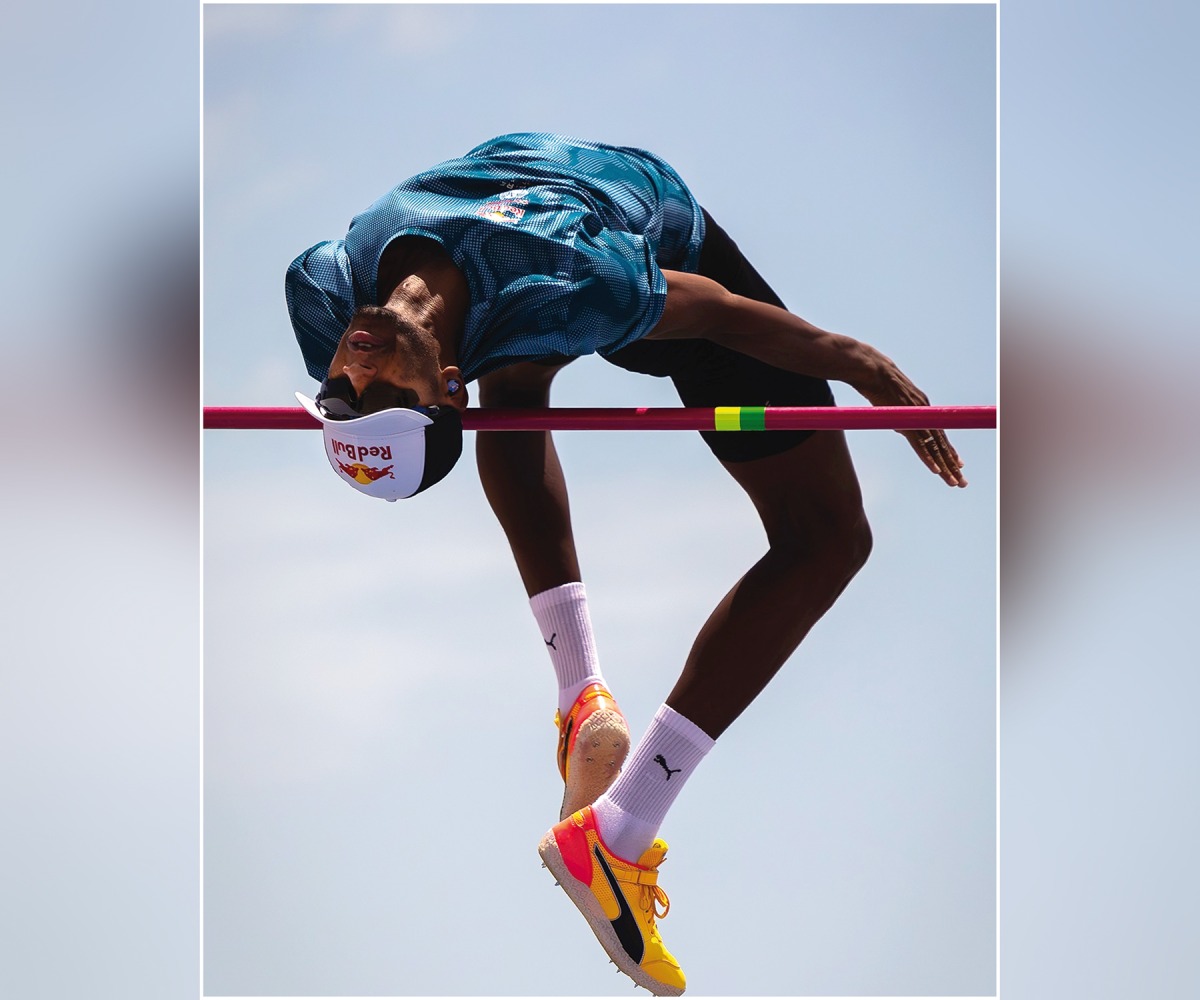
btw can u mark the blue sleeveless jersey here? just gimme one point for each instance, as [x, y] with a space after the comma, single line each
[561, 242]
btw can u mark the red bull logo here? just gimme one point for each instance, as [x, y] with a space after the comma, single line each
[356, 452]
[507, 208]
[365, 474]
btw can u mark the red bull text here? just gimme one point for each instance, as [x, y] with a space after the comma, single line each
[357, 453]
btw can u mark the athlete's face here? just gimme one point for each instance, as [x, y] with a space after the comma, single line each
[396, 362]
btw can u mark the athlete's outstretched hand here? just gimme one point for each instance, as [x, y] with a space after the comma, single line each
[889, 386]
[699, 307]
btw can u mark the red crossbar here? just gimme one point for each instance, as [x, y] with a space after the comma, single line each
[643, 418]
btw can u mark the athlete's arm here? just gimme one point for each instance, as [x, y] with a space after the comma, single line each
[698, 307]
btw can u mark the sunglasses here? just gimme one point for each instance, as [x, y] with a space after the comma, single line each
[339, 401]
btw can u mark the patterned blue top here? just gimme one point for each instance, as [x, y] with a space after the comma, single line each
[561, 242]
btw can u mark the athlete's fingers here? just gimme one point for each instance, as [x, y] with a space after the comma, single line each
[939, 456]
[949, 464]
[951, 454]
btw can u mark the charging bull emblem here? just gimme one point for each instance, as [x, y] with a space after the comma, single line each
[508, 208]
[365, 474]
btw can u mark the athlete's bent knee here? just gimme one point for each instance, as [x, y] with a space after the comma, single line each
[858, 543]
[839, 542]
[847, 546]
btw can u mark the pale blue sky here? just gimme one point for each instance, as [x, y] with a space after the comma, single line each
[378, 755]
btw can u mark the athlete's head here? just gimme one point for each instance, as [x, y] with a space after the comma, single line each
[390, 413]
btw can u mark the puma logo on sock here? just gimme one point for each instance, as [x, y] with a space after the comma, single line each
[660, 759]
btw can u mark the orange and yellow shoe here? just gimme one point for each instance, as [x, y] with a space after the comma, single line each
[593, 741]
[619, 899]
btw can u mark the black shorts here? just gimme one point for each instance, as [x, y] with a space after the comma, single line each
[706, 374]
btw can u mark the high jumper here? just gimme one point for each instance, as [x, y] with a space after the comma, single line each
[501, 267]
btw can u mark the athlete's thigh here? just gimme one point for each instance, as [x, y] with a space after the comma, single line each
[804, 492]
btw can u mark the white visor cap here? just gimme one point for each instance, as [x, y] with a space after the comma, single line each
[381, 454]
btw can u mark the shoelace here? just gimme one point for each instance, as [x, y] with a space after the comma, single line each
[652, 896]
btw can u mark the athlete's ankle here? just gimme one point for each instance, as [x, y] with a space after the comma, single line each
[566, 627]
[623, 834]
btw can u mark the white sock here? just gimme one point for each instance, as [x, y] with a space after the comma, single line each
[562, 615]
[630, 813]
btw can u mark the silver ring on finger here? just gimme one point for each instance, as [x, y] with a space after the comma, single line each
[928, 440]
